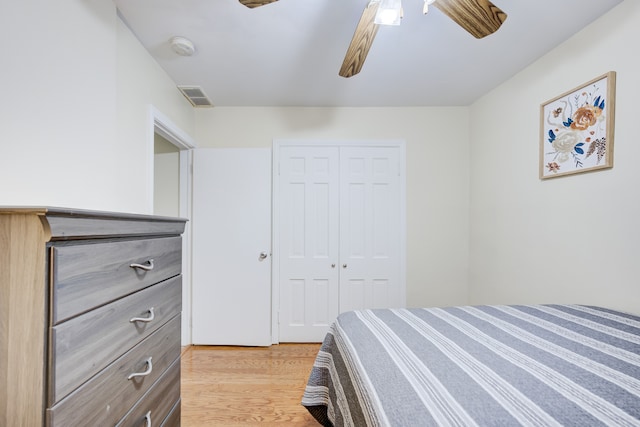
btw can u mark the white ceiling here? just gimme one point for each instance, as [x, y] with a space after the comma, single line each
[288, 53]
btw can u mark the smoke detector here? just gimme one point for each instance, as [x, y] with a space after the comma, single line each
[182, 46]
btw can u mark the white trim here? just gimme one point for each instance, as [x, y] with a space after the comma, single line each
[163, 126]
[172, 133]
[186, 193]
[275, 242]
[403, 219]
[275, 229]
[341, 143]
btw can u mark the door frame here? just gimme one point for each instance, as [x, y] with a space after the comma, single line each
[160, 124]
[275, 217]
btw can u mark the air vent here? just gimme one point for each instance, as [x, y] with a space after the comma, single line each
[196, 96]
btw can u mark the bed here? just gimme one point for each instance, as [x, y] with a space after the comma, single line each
[531, 365]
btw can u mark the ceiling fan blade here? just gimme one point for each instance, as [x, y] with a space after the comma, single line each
[361, 42]
[256, 3]
[479, 17]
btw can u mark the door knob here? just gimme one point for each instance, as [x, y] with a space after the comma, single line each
[333, 266]
[262, 256]
[344, 265]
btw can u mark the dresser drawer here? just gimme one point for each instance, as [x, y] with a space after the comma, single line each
[173, 419]
[106, 398]
[84, 345]
[157, 404]
[85, 276]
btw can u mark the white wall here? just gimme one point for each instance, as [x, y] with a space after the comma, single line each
[166, 178]
[141, 85]
[573, 239]
[74, 108]
[58, 103]
[437, 176]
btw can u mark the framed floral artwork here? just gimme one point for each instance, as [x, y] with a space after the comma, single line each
[577, 129]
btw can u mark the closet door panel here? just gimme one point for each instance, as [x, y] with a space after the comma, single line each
[308, 179]
[370, 227]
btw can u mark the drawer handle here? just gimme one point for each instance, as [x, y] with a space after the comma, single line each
[147, 419]
[145, 373]
[147, 266]
[152, 315]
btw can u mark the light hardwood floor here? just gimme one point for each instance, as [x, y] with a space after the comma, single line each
[246, 386]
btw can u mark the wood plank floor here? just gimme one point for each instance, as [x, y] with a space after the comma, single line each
[246, 386]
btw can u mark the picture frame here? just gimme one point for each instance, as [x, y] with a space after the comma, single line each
[577, 129]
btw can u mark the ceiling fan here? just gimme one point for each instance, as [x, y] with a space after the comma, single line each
[478, 17]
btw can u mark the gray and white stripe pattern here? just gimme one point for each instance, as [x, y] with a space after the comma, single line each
[536, 365]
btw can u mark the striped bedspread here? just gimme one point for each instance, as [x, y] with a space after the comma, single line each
[536, 365]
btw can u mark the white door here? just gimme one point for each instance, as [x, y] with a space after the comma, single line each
[370, 227]
[231, 299]
[341, 233]
[308, 252]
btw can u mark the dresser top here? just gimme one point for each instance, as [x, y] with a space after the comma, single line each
[72, 224]
[59, 211]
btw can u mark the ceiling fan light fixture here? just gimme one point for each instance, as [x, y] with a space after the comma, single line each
[425, 8]
[389, 12]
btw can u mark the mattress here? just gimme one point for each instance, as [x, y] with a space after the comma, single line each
[535, 365]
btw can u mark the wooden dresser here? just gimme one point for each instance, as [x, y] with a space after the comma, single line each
[90, 307]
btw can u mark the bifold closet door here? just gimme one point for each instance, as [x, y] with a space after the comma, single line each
[340, 232]
[370, 228]
[308, 253]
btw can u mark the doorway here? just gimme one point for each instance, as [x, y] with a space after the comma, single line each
[170, 180]
[166, 177]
